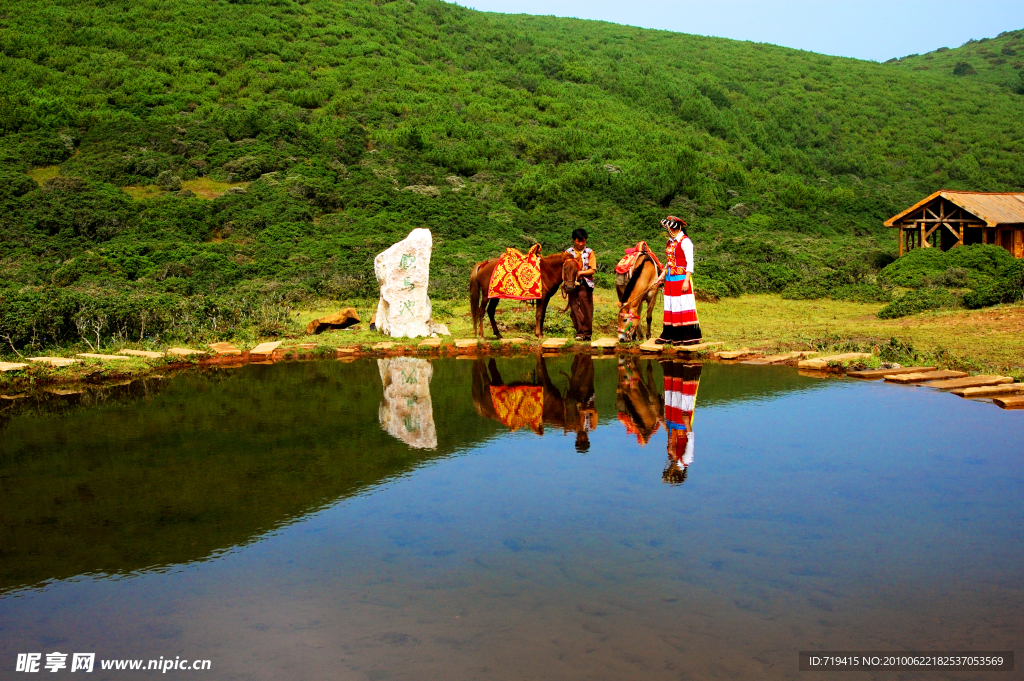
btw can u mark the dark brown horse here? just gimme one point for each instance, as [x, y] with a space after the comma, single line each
[556, 270]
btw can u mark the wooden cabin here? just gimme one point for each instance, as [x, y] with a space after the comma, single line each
[947, 219]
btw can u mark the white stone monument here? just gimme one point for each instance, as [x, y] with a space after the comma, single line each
[403, 272]
[406, 411]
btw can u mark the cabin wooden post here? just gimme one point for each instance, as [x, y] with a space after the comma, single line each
[903, 238]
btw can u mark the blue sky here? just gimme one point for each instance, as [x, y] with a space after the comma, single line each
[865, 29]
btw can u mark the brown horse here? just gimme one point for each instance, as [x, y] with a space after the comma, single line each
[558, 269]
[633, 294]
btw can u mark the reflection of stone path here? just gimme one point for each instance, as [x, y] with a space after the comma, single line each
[406, 411]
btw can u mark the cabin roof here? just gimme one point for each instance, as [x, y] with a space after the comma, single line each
[994, 208]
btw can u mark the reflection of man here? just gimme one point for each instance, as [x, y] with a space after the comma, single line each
[681, 381]
[580, 402]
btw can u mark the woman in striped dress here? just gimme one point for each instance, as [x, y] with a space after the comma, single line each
[680, 323]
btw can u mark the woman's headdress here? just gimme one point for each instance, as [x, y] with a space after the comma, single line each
[672, 222]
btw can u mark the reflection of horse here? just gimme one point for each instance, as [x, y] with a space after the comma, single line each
[560, 268]
[681, 382]
[538, 401]
[637, 399]
[633, 294]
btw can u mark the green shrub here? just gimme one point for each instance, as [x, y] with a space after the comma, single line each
[920, 300]
[920, 266]
[1009, 288]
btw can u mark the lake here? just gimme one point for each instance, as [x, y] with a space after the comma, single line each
[535, 517]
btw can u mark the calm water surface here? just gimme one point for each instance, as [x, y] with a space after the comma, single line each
[561, 518]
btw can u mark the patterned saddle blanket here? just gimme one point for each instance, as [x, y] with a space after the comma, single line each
[517, 276]
[518, 406]
[627, 261]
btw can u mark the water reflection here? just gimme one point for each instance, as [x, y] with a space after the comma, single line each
[406, 411]
[637, 399]
[681, 382]
[537, 401]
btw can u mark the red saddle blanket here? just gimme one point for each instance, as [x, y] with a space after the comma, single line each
[627, 261]
[518, 406]
[517, 276]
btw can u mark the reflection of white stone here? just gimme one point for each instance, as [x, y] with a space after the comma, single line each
[406, 411]
[403, 272]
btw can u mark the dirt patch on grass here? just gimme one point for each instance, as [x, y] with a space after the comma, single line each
[41, 175]
[203, 188]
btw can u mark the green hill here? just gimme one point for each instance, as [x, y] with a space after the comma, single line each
[354, 122]
[998, 60]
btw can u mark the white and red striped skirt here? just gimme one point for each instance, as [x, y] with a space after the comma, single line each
[680, 321]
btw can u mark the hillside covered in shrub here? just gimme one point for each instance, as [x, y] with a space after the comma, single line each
[341, 126]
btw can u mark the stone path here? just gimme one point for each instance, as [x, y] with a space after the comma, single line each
[990, 390]
[821, 363]
[141, 353]
[969, 382]
[554, 343]
[54, 361]
[265, 348]
[882, 373]
[12, 366]
[925, 376]
[224, 349]
[1010, 402]
[184, 352]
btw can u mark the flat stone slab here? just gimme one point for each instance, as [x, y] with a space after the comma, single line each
[224, 349]
[696, 347]
[431, 343]
[554, 343]
[650, 346]
[96, 355]
[265, 348]
[306, 346]
[386, 345]
[821, 363]
[925, 376]
[735, 354]
[184, 352]
[54, 361]
[12, 366]
[1010, 402]
[603, 343]
[348, 351]
[463, 343]
[513, 341]
[970, 382]
[775, 359]
[141, 353]
[882, 373]
[990, 390]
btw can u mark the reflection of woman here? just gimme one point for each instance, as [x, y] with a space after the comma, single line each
[680, 325]
[681, 381]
